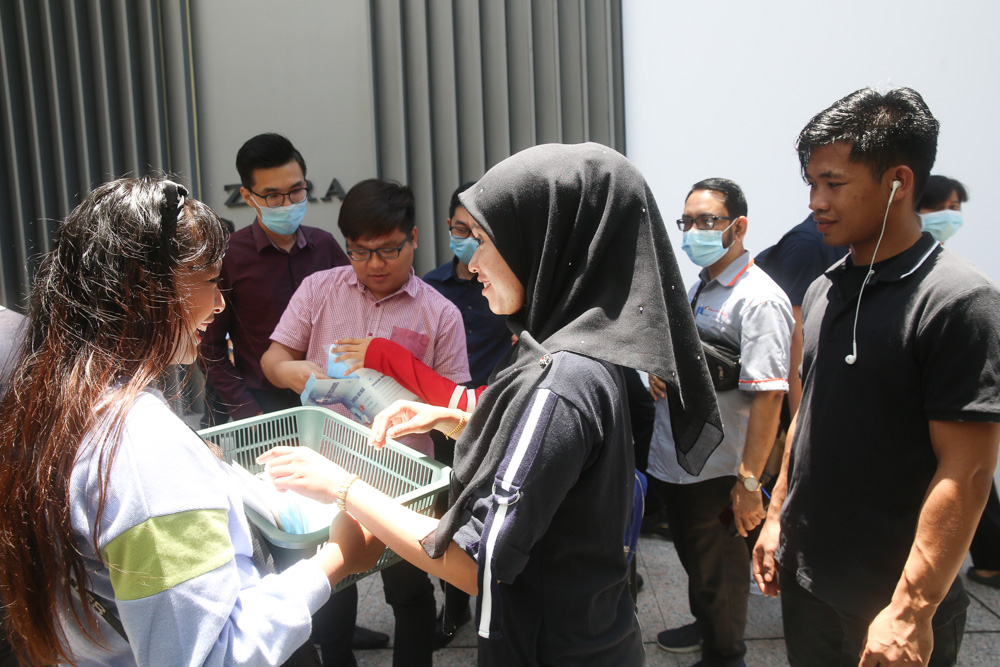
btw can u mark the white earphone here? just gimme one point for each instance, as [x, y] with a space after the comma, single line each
[853, 356]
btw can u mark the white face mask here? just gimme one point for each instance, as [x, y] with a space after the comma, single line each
[283, 219]
[704, 247]
[942, 225]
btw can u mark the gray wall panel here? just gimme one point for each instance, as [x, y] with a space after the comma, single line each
[83, 102]
[521, 73]
[427, 92]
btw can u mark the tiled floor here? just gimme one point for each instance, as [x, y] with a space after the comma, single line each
[663, 603]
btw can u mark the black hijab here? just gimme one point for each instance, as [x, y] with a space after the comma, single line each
[578, 226]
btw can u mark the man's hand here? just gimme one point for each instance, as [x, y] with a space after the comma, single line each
[899, 637]
[295, 374]
[765, 568]
[748, 508]
[352, 351]
[657, 387]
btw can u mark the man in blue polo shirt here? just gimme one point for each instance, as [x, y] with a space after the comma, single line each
[738, 306]
[487, 337]
[896, 437]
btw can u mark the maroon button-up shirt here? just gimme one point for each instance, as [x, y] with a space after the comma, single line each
[258, 280]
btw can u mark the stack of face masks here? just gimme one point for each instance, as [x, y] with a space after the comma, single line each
[288, 511]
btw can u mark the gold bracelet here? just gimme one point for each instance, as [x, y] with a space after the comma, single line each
[345, 486]
[461, 425]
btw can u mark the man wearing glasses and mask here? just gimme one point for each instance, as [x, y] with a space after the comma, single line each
[264, 265]
[487, 337]
[377, 296]
[737, 307]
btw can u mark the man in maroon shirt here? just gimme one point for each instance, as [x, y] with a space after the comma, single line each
[264, 265]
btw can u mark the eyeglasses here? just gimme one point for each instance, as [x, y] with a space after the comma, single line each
[460, 231]
[296, 196]
[364, 254]
[705, 222]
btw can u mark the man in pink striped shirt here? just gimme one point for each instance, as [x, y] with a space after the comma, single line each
[377, 296]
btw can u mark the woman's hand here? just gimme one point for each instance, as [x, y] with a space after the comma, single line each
[352, 351]
[305, 471]
[405, 417]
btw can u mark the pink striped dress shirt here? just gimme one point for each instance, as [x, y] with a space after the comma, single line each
[333, 304]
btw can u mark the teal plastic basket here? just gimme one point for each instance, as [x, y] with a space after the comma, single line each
[411, 478]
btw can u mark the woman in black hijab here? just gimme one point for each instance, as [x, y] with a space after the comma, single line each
[573, 250]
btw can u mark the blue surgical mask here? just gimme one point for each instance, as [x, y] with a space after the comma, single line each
[704, 247]
[463, 248]
[942, 224]
[283, 219]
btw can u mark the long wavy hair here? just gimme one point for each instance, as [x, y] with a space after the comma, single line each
[105, 321]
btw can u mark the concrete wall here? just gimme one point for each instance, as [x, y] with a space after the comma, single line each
[723, 89]
[302, 69]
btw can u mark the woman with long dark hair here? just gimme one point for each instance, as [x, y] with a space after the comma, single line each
[110, 500]
[573, 250]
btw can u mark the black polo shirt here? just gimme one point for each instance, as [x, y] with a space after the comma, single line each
[928, 348]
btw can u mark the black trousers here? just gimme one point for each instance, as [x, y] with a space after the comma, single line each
[818, 634]
[409, 592]
[717, 564]
[985, 548]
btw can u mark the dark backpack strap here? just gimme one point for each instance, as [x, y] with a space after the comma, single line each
[103, 611]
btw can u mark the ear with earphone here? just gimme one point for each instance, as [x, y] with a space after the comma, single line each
[853, 356]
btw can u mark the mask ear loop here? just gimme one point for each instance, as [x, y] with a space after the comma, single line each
[853, 356]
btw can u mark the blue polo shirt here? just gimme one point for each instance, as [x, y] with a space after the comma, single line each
[487, 337]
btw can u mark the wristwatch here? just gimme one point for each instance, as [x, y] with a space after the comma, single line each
[750, 483]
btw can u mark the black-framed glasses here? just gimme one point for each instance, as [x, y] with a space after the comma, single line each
[460, 231]
[364, 254]
[705, 222]
[296, 196]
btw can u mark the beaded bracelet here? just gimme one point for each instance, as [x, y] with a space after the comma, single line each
[345, 486]
[461, 424]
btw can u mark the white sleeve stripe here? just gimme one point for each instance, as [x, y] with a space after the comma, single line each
[539, 401]
[541, 397]
[453, 401]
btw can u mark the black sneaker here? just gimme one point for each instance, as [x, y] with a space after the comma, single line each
[363, 639]
[685, 639]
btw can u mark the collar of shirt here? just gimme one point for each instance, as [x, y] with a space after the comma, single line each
[731, 273]
[263, 240]
[409, 287]
[453, 273]
[898, 267]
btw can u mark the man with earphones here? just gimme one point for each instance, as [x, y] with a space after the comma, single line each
[895, 441]
[736, 305]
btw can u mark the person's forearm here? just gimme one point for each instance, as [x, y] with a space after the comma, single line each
[402, 529]
[795, 352]
[948, 520]
[781, 485]
[762, 427]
